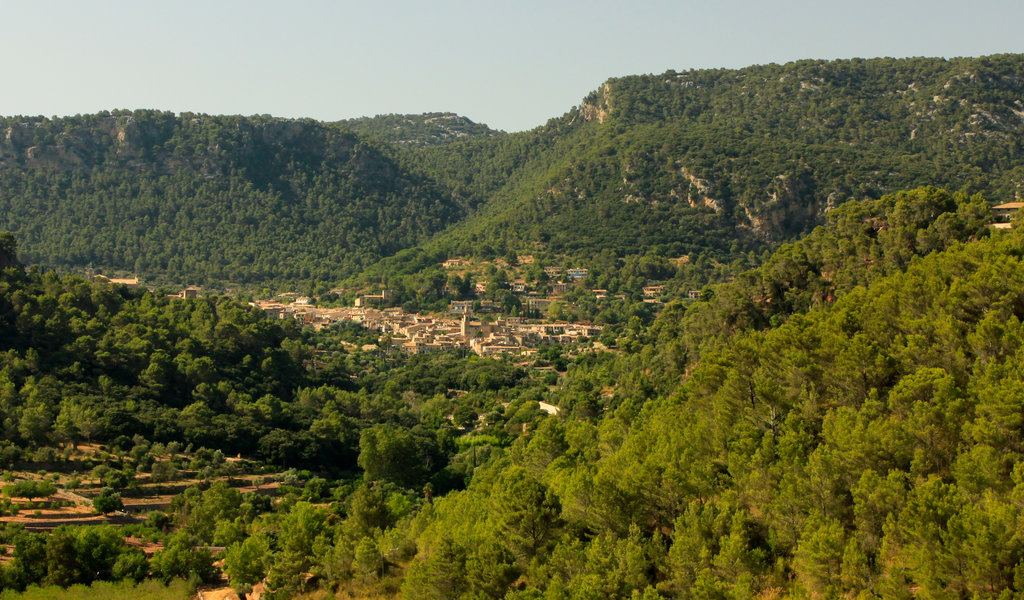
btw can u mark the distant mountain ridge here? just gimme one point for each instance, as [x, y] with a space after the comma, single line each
[427, 129]
[713, 163]
[766, 150]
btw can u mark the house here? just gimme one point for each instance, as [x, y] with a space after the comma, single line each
[189, 292]
[273, 310]
[518, 286]
[461, 307]
[549, 408]
[453, 263]
[1003, 214]
[538, 303]
[577, 273]
[498, 349]
[553, 271]
[559, 288]
[653, 290]
[693, 294]
[374, 299]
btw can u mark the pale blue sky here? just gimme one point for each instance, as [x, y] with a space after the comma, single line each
[511, 65]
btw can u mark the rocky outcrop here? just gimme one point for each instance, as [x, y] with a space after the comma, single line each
[699, 192]
[788, 206]
[597, 106]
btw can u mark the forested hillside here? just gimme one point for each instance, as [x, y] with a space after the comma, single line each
[834, 412]
[204, 199]
[725, 160]
[87, 361]
[863, 446]
[841, 421]
[712, 165]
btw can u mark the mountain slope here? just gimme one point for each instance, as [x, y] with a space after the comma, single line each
[686, 162]
[199, 198]
[870, 448]
[713, 165]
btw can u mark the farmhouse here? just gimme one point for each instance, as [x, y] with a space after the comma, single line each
[1003, 215]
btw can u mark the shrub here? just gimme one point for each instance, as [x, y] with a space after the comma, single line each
[45, 454]
[163, 471]
[107, 501]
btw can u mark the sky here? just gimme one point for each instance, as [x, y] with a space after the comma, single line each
[512, 65]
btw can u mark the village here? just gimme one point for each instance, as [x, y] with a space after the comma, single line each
[416, 334]
[478, 325]
[491, 335]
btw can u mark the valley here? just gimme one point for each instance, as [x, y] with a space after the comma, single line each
[730, 334]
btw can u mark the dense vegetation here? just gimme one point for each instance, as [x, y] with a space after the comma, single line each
[861, 447]
[148, 590]
[204, 199]
[843, 420]
[86, 362]
[715, 166]
[668, 163]
[89, 361]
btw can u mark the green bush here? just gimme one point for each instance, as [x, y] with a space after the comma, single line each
[30, 489]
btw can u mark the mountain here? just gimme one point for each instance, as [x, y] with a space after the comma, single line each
[704, 167]
[198, 198]
[686, 162]
[849, 426]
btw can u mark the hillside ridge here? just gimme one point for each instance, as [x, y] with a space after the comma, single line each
[720, 164]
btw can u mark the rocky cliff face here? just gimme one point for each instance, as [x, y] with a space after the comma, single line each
[72, 142]
[595, 107]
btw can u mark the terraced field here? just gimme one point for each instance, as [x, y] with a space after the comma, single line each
[72, 503]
